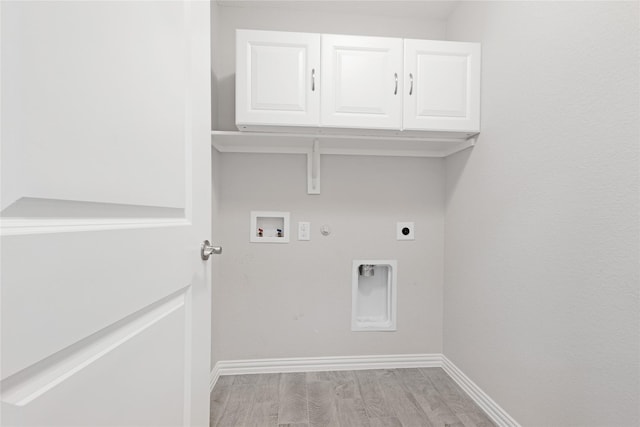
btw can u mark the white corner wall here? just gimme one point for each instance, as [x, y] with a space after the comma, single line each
[541, 300]
[294, 300]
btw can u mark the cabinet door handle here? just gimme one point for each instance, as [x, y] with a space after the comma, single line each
[313, 80]
[395, 91]
[411, 85]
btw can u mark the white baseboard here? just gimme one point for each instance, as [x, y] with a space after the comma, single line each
[488, 405]
[353, 363]
[213, 378]
[317, 364]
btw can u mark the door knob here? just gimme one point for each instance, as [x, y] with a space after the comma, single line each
[207, 249]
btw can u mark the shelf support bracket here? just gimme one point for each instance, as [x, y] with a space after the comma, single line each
[313, 168]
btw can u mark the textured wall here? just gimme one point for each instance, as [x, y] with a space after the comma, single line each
[294, 300]
[541, 304]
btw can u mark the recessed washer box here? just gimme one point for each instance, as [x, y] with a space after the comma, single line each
[269, 227]
[373, 295]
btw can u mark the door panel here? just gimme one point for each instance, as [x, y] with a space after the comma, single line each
[277, 78]
[95, 285]
[107, 372]
[105, 301]
[442, 86]
[71, 73]
[362, 82]
[272, 68]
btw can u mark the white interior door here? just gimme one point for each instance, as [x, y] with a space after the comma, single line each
[105, 201]
[361, 82]
[442, 86]
[277, 78]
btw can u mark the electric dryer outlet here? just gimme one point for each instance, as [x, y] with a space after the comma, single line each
[405, 231]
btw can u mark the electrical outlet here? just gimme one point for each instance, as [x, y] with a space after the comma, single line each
[405, 231]
[304, 231]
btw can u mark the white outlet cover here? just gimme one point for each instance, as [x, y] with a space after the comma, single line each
[304, 231]
[401, 233]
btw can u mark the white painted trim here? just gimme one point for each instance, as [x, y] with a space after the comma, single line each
[488, 405]
[318, 364]
[21, 226]
[313, 168]
[213, 378]
[439, 144]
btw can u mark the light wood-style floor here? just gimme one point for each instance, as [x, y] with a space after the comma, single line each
[387, 397]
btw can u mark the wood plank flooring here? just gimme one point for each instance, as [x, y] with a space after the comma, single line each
[375, 398]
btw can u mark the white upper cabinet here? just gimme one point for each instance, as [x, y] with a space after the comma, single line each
[353, 84]
[361, 82]
[442, 86]
[277, 78]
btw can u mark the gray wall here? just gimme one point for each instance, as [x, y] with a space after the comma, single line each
[541, 298]
[294, 300]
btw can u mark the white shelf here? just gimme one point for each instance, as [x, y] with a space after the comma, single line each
[437, 144]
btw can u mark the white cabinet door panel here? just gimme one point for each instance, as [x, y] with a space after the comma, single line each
[442, 86]
[277, 78]
[362, 82]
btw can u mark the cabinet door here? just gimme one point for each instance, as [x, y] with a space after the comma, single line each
[277, 78]
[442, 86]
[361, 82]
